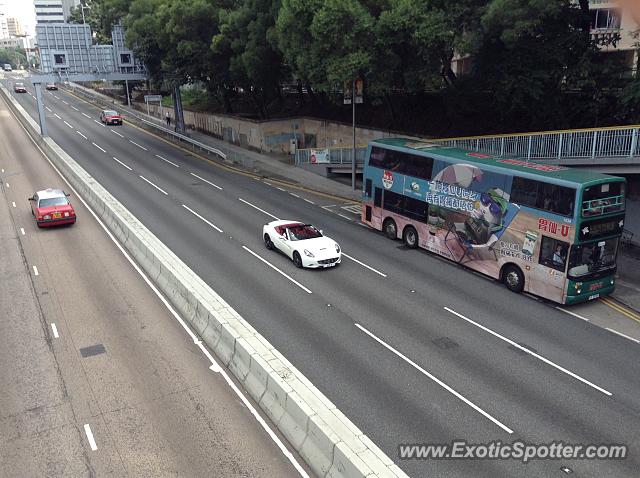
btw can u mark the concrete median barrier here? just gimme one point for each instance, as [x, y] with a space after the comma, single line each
[323, 436]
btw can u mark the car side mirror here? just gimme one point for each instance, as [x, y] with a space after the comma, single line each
[31, 198]
[67, 194]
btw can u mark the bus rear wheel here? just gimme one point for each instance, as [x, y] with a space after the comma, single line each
[513, 278]
[410, 237]
[390, 229]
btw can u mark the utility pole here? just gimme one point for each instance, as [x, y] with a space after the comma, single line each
[353, 114]
[41, 115]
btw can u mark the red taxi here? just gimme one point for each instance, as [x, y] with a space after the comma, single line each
[51, 207]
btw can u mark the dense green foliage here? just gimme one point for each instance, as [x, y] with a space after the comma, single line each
[16, 57]
[530, 64]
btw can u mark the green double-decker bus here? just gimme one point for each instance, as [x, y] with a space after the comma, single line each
[548, 230]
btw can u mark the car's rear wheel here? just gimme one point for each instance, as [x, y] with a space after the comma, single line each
[268, 243]
[297, 260]
[390, 229]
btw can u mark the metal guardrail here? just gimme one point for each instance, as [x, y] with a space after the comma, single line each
[336, 155]
[178, 136]
[590, 144]
[571, 147]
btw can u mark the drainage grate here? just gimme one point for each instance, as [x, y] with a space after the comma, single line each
[445, 343]
[92, 350]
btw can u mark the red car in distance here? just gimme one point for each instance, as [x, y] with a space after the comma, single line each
[19, 87]
[110, 117]
[51, 207]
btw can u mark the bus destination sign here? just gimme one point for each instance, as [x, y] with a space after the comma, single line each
[601, 227]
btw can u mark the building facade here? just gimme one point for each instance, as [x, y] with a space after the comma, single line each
[49, 11]
[14, 26]
[67, 48]
[609, 21]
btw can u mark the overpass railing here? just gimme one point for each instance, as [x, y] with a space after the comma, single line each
[603, 143]
[572, 146]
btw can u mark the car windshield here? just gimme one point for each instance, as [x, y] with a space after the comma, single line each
[592, 258]
[19, 84]
[111, 113]
[302, 232]
[62, 201]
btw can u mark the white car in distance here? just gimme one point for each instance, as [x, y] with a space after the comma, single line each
[305, 245]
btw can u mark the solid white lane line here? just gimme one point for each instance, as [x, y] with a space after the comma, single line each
[141, 147]
[307, 200]
[115, 132]
[13, 204]
[35, 271]
[435, 379]
[85, 114]
[22, 231]
[48, 109]
[56, 115]
[256, 207]
[118, 161]
[81, 134]
[215, 367]
[75, 108]
[277, 270]
[623, 335]
[572, 313]
[68, 125]
[364, 265]
[89, 433]
[159, 189]
[55, 330]
[208, 182]
[202, 218]
[170, 162]
[345, 217]
[98, 147]
[530, 352]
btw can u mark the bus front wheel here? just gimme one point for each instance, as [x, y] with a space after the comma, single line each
[513, 278]
[410, 237]
[390, 228]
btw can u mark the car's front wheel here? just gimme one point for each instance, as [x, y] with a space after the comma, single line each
[268, 243]
[297, 260]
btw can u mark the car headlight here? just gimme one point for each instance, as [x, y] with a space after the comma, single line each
[47, 216]
[337, 248]
[307, 253]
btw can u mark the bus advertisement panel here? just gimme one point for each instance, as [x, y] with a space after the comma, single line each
[493, 220]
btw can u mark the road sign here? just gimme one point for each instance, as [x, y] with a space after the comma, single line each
[148, 98]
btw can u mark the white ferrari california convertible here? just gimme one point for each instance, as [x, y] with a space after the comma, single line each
[302, 243]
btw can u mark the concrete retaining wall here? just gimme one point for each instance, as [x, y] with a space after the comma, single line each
[324, 437]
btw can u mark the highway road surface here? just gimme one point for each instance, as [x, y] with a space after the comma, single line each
[98, 378]
[412, 348]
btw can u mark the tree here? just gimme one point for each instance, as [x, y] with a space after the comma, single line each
[244, 44]
[16, 57]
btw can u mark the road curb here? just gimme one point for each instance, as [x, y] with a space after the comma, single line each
[323, 436]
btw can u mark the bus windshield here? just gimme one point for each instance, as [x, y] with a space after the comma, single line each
[592, 258]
